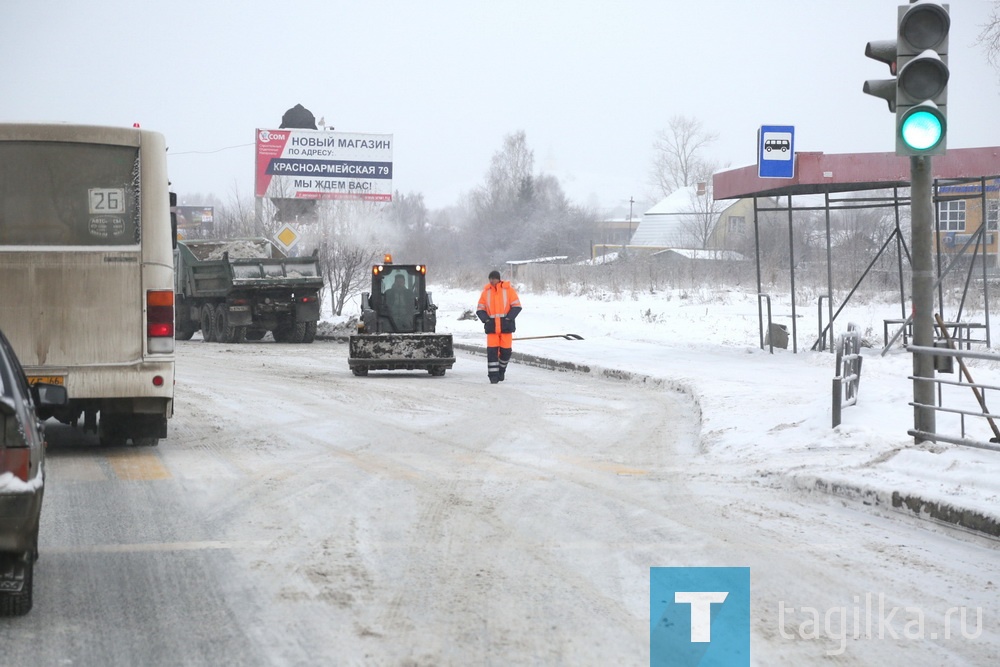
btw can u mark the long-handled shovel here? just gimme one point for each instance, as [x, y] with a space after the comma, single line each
[566, 336]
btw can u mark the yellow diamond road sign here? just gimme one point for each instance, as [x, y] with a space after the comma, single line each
[287, 237]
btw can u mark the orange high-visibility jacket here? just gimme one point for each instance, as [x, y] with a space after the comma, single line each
[496, 302]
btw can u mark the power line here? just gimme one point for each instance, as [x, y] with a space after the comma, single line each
[218, 150]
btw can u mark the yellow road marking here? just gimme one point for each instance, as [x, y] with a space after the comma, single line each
[75, 469]
[149, 547]
[606, 466]
[138, 465]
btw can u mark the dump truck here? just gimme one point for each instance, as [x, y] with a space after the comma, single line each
[396, 330]
[239, 289]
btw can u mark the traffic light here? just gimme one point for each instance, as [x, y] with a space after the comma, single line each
[922, 78]
[919, 60]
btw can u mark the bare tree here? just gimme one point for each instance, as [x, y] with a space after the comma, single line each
[501, 205]
[345, 268]
[510, 173]
[517, 214]
[700, 223]
[408, 214]
[989, 38]
[350, 237]
[679, 155]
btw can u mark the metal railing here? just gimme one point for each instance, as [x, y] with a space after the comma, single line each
[848, 369]
[821, 339]
[979, 391]
[760, 329]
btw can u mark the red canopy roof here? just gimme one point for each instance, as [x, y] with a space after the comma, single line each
[817, 173]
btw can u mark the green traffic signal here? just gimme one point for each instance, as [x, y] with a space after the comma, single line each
[918, 59]
[922, 127]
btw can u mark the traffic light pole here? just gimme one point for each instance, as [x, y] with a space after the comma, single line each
[922, 234]
[918, 58]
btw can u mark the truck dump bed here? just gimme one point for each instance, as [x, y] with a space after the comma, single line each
[214, 268]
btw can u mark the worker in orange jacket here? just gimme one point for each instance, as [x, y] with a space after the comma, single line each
[498, 306]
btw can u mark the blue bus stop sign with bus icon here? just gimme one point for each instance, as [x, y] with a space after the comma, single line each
[776, 151]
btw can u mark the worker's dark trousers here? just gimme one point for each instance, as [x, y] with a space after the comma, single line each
[496, 362]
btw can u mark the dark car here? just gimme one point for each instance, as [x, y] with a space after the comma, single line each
[22, 454]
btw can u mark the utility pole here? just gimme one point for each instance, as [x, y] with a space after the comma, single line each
[631, 201]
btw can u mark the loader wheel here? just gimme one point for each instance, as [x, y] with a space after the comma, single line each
[207, 324]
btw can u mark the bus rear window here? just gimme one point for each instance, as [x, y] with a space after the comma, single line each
[68, 194]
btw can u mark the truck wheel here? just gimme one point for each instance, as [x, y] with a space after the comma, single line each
[298, 334]
[181, 334]
[18, 604]
[255, 334]
[310, 332]
[109, 432]
[223, 332]
[145, 442]
[290, 332]
[360, 372]
[437, 372]
[240, 334]
[207, 324]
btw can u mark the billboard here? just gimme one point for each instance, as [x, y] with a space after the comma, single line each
[315, 164]
[196, 217]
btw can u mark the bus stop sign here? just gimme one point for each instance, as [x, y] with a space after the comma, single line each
[776, 151]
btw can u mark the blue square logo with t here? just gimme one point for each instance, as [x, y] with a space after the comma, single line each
[699, 616]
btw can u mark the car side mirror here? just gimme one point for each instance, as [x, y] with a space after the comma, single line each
[50, 394]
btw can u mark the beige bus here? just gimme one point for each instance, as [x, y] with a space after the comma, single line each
[86, 272]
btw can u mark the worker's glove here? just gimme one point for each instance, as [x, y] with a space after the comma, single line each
[490, 326]
[483, 317]
[507, 325]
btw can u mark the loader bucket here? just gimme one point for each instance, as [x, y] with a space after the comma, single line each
[432, 352]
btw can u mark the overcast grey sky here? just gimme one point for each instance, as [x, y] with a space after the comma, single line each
[591, 83]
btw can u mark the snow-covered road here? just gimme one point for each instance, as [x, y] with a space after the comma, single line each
[300, 515]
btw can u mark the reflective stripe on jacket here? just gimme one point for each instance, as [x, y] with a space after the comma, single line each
[498, 301]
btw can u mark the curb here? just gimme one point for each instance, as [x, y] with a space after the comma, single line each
[899, 501]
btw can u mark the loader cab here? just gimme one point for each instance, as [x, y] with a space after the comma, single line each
[399, 299]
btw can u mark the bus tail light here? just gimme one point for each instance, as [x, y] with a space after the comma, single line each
[160, 320]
